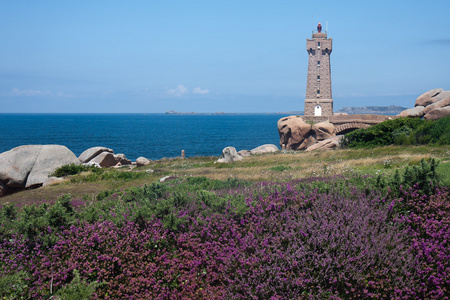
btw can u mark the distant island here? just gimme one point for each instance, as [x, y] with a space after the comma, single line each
[375, 110]
[173, 112]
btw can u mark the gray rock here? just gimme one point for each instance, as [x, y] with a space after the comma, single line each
[229, 154]
[16, 164]
[416, 112]
[50, 158]
[244, 153]
[121, 159]
[142, 161]
[438, 113]
[90, 153]
[30, 165]
[105, 160]
[167, 178]
[267, 148]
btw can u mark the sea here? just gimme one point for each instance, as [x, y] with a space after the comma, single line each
[154, 136]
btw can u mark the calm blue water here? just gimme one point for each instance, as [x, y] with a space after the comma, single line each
[150, 135]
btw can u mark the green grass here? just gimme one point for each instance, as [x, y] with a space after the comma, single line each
[280, 166]
[443, 171]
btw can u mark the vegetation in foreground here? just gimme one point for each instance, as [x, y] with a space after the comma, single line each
[347, 236]
[401, 131]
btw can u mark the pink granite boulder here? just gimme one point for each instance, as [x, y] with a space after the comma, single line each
[324, 130]
[294, 132]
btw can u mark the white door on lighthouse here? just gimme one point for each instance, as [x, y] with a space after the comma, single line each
[318, 110]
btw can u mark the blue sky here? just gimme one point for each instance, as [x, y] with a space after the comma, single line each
[208, 56]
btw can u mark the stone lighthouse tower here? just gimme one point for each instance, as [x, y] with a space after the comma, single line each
[318, 101]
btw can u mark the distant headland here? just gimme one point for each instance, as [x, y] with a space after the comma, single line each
[375, 110]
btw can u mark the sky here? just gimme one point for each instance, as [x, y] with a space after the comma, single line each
[215, 56]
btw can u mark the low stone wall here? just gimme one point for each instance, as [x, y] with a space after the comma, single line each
[367, 119]
[314, 119]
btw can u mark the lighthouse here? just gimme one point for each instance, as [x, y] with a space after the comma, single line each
[318, 100]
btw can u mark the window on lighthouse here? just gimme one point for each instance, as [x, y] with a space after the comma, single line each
[318, 63]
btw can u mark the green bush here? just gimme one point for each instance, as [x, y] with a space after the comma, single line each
[13, 286]
[423, 175]
[401, 131]
[98, 174]
[77, 289]
[382, 134]
[72, 169]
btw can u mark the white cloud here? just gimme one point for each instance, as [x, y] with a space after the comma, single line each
[198, 90]
[29, 93]
[178, 91]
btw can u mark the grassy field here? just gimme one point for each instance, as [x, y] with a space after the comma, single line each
[279, 167]
[344, 224]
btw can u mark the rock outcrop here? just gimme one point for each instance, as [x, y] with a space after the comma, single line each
[416, 112]
[324, 130]
[327, 144]
[267, 148]
[294, 132]
[429, 97]
[438, 113]
[439, 104]
[90, 153]
[122, 159]
[431, 105]
[229, 154]
[244, 153]
[105, 160]
[142, 161]
[104, 157]
[29, 166]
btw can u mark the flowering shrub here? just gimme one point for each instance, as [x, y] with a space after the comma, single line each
[429, 227]
[335, 238]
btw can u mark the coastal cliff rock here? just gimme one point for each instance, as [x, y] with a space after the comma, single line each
[29, 166]
[293, 132]
[327, 144]
[416, 112]
[442, 103]
[429, 97]
[431, 105]
[324, 130]
[229, 154]
[438, 113]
